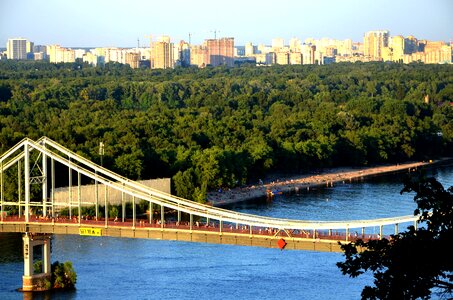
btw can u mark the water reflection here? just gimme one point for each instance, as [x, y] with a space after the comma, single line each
[50, 295]
[11, 247]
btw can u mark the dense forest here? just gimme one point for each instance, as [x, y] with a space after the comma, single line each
[223, 127]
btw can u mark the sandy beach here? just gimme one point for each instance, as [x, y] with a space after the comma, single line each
[325, 178]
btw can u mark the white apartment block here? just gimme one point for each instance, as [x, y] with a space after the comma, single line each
[16, 48]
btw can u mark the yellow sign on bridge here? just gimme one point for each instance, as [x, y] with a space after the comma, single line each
[90, 231]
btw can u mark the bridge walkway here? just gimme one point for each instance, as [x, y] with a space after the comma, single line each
[317, 240]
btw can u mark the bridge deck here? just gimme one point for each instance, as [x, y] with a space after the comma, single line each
[204, 233]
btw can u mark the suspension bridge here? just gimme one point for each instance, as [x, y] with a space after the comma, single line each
[34, 169]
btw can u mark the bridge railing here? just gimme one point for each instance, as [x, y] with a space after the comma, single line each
[202, 227]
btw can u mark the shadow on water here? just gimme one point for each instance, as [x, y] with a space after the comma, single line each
[11, 245]
[50, 295]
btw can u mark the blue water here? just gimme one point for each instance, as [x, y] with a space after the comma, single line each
[111, 268]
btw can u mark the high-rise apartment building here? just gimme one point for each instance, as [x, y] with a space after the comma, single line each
[431, 53]
[249, 49]
[397, 45]
[162, 54]
[93, 59]
[329, 51]
[265, 59]
[16, 48]
[410, 45]
[374, 42]
[79, 53]
[40, 48]
[199, 55]
[395, 50]
[59, 54]
[39, 52]
[295, 45]
[345, 48]
[132, 59]
[30, 46]
[263, 49]
[308, 54]
[282, 58]
[277, 44]
[220, 51]
[431, 46]
[183, 51]
[295, 58]
[444, 55]
[327, 48]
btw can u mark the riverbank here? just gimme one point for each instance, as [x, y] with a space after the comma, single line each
[323, 178]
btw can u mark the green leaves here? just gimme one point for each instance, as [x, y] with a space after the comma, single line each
[184, 183]
[63, 275]
[226, 127]
[413, 263]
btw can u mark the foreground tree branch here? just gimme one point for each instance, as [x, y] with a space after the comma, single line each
[416, 262]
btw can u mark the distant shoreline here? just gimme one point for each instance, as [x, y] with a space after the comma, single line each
[325, 178]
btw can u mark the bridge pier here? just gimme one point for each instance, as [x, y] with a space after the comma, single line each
[30, 280]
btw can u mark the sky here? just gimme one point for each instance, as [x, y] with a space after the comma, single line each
[115, 23]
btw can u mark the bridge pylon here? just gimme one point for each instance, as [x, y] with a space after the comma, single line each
[36, 280]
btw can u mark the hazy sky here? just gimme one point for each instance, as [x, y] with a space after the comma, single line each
[87, 23]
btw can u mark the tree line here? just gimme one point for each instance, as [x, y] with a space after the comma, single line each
[224, 127]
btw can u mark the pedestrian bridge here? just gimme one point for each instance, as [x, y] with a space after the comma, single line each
[33, 169]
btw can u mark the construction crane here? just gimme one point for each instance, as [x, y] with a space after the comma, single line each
[215, 33]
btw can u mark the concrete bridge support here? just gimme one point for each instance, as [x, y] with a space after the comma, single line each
[30, 280]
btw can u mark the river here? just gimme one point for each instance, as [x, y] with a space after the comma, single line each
[113, 268]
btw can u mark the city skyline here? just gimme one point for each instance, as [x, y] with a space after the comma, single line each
[117, 23]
